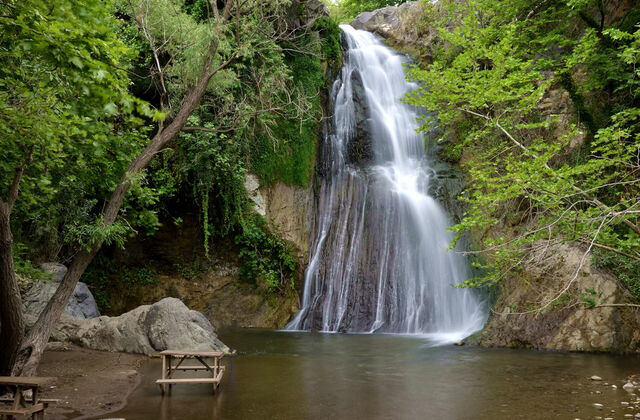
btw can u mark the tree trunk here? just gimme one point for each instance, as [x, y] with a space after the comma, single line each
[34, 344]
[11, 319]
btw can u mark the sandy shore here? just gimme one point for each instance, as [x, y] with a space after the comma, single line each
[89, 382]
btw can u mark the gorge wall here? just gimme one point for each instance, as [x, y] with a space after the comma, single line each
[552, 275]
[213, 285]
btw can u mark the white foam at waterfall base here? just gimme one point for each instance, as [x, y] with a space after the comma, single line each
[379, 255]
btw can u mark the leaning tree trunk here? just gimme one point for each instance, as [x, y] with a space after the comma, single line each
[34, 343]
[11, 319]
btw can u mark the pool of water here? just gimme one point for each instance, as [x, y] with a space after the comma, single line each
[283, 375]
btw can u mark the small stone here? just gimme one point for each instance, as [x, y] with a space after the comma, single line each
[625, 403]
[608, 418]
[598, 406]
[596, 378]
[638, 415]
[606, 384]
[614, 387]
[598, 392]
[628, 386]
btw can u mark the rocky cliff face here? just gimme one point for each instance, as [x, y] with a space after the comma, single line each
[584, 308]
[209, 285]
[582, 312]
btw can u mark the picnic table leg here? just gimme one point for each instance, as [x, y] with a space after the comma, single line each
[34, 400]
[164, 371]
[216, 372]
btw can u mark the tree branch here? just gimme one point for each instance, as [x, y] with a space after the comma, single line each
[17, 176]
[599, 203]
[608, 248]
[617, 305]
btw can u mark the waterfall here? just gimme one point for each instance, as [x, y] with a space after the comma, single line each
[379, 258]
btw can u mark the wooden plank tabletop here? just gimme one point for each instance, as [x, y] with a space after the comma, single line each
[192, 353]
[30, 381]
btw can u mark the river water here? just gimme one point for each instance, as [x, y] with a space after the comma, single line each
[283, 375]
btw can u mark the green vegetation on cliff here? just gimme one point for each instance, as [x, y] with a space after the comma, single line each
[542, 106]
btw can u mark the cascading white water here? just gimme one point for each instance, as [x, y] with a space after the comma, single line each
[379, 258]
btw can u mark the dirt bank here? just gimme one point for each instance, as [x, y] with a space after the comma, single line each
[89, 382]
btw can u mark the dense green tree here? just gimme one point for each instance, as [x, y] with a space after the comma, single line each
[68, 126]
[498, 76]
[76, 134]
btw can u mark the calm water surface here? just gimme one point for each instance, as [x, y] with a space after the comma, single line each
[278, 375]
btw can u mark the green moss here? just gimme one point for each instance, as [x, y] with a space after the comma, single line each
[291, 157]
[330, 34]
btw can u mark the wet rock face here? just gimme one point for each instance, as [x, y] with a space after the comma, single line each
[359, 148]
[148, 329]
[569, 325]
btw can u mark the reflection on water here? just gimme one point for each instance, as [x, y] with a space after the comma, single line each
[279, 375]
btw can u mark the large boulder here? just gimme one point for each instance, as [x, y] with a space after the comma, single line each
[568, 323]
[382, 21]
[148, 329]
[402, 26]
[81, 304]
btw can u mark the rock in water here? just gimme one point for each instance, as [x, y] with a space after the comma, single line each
[147, 329]
[628, 386]
[596, 378]
[81, 304]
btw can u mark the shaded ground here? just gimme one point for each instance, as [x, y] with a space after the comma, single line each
[89, 382]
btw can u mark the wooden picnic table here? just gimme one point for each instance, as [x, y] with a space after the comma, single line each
[19, 405]
[168, 368]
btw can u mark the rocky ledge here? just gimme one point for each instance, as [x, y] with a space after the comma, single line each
[588, 316]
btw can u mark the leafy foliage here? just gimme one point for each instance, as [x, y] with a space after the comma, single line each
[497, 79]
[65, 108]
[268, 261]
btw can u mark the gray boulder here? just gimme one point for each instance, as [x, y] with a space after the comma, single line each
[403, 26]
[381, 21]
[81, 304]
[147, 329]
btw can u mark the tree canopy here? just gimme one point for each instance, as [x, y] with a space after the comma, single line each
[541, 108]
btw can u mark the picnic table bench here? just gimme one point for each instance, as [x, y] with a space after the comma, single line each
[215, 369]
[19, 405]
